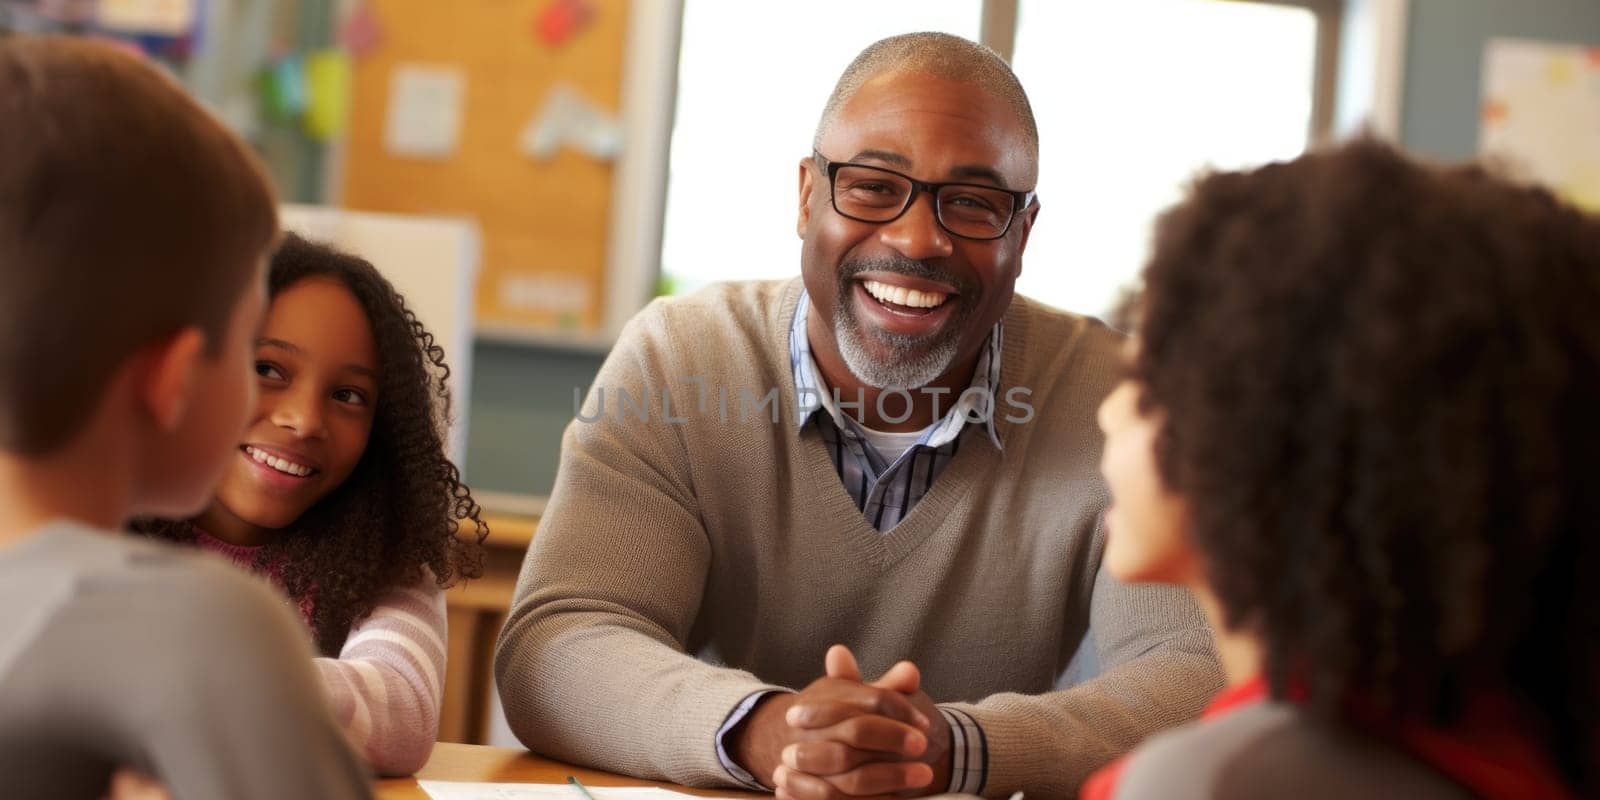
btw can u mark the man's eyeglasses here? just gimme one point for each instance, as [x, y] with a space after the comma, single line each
[875, 194]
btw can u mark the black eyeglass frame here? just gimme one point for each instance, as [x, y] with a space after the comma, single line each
[1020, 200]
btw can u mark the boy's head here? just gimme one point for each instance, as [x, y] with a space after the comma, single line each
[1371, 386]
[133, 229]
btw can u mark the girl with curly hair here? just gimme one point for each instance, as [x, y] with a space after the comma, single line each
[1361, 421]
[342, 495]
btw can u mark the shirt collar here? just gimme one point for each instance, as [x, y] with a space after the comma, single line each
[812, 393]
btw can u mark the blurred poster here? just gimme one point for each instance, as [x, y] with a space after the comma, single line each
[1541, 114]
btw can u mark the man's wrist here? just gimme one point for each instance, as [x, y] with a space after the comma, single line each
[724, 740]
[757, 742]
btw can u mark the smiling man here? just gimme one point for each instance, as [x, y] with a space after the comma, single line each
[894, 453]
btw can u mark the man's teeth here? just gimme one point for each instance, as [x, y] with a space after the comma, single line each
[901, 296]
[282, 465]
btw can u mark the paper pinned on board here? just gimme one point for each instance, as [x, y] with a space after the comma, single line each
[459, 790]
[1541, 112]
[424, 115]
[568, 119]
[543, 292]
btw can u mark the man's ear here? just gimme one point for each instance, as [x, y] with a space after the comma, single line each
[808, 176]
[167, 385]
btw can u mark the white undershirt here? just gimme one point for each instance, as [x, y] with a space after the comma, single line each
[891, 445]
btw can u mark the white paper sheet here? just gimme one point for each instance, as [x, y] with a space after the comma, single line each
[568, 119]
[459, 790]
[424, 116]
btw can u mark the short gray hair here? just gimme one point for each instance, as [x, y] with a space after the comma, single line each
[943, 56]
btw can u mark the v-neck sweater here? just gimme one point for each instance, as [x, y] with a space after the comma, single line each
[689, 556]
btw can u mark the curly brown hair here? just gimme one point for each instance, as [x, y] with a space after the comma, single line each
[401, 509]
[1381, 383]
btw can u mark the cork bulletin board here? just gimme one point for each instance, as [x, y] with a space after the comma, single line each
[495, 65]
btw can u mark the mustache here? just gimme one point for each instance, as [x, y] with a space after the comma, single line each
[909, 267]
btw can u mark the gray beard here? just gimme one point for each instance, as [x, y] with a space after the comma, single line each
[914, 365]
[913, 362]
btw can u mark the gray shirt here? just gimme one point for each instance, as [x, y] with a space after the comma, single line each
[1271, 750]
[116, 651]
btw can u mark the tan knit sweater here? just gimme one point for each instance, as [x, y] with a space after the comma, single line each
[685, 561]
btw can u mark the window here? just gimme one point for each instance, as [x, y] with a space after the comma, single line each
[1132, 99]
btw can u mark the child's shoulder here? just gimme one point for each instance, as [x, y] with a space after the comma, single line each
[1270, 750]
[174, 631]
[88, 560]
[71, 574]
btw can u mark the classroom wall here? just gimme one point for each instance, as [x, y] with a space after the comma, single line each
[1444, 61]
[521, 404]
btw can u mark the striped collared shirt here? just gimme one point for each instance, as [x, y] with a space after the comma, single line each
[885, 491]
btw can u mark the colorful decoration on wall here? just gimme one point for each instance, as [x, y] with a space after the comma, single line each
[283, 89]
[361, 33]
[562, 20]
[327, 94]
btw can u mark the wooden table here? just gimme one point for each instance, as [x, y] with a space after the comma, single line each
[467, 762]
